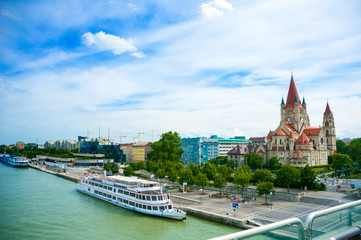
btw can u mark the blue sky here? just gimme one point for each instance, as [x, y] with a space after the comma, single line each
[196, 67]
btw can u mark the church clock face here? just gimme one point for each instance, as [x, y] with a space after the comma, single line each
[289, 119]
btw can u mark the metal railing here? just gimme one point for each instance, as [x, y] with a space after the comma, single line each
[334, 221]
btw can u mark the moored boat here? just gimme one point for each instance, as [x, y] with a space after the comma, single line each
[15, 161]
[132, 193]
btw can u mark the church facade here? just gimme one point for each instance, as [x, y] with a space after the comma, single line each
[295, 141]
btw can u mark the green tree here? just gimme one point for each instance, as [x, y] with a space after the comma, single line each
[242, 177]
[75, 150]
[140, 165]
[307, 177]
[128, 171]
[201, 180]
[288, 175]
[225, 171]
[274, 163]
[195, 169]
[210, 170]
[114, 168]
[160, 173]
[219, 182]
[167, 148]
[220, 160]
[172, 175]
[186, 174]
[253, 160]
[262, 176]
[107, 167]
[354, 149]
[179, 166]
[340, 161]
[265, 188]
[341, 147]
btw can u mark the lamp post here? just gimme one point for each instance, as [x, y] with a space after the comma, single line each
[271, 200]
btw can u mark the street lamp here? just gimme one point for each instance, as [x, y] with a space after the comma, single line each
[271, 200]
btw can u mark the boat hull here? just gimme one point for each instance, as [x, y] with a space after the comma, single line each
[172, 215]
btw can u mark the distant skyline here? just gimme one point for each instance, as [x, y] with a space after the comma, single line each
[200, 68]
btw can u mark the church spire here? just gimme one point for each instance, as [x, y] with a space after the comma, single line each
[303, 101]
[328, 110]
[292, 96]
[283, 102]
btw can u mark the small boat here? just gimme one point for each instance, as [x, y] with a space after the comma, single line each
[132, 193]
[15, 161]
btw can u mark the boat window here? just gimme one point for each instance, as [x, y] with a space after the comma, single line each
[96, 184]
[170, 206]
[136, 196]
[114, 197]
[148, 198]
[109, 196]
[149, 207]
[125, 201]
[167, 196]
[155, 208]
[120, 191]
[160, 198]
[120, 200]
[109, 188]
[161, 208]
[144, 206]
[89, 189]
[126, 193]
[154, 198]
[131, 203]
[132, 194]
[143, 197]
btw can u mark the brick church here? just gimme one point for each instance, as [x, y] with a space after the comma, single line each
[295, 141]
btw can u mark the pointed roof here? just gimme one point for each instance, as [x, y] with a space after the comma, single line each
[280, 132]
[303, 101]
[269, 136]
[312, 131]
[291, 134]
[303, 140]
[292, 96]
[328, 110]
[283, 102]
[238, 150]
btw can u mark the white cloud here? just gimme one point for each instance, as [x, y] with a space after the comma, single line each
[110, 42]
[213, 8]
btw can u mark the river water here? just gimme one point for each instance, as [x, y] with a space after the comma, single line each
[38, 205]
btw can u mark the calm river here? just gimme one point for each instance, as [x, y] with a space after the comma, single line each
[38, 205]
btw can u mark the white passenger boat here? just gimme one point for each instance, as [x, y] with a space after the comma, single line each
[15, 161]
[131, 193]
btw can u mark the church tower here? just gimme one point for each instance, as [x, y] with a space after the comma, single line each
[329, 129]
[294, 112]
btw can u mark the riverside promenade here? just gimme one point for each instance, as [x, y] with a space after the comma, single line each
[254, 212]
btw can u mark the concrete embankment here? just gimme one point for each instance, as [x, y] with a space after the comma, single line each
[227, 220]
[63, 175]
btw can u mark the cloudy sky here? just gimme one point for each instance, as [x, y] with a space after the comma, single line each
[196, 67]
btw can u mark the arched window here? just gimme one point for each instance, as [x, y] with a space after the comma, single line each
[280, 141]
[326, 132]
[326, 124]
[321, 140]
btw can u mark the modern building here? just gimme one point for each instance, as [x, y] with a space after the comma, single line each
[127, 151]
[62, 144]
[199, 150]
[140, 151]
[227, 144]
[295, 141]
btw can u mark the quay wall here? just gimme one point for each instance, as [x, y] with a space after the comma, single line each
[55, 171]
[182, 200]
[227, 220]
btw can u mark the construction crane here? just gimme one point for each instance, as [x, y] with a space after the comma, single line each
[88, 133]
[139, 133]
